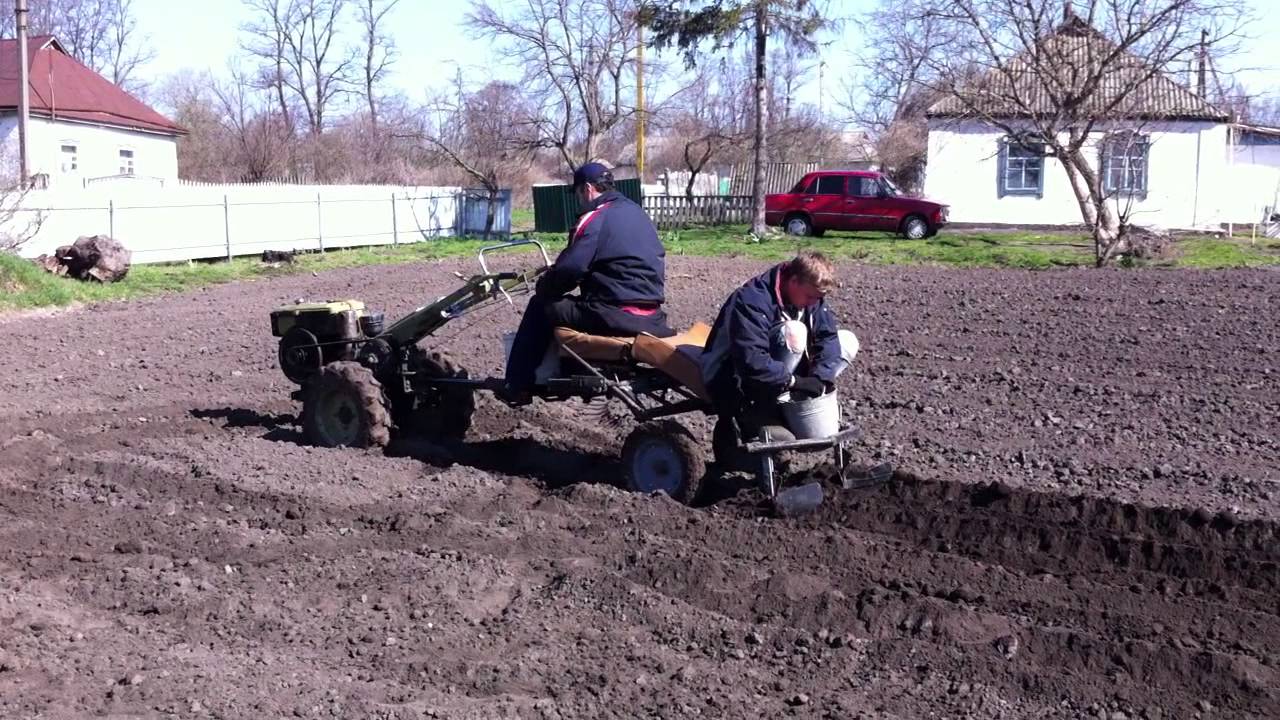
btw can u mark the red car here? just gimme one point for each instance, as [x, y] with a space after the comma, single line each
[852, 200]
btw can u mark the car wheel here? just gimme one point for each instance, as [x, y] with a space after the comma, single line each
[915, 228]
[799, 225]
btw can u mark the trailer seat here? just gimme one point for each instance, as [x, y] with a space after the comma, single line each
[676, 356]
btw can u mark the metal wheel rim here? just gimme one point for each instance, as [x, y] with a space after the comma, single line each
[915, 229]
[339, 419]
[796, 226]
[656, 466]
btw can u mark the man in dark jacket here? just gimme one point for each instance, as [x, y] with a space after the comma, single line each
[614, 259]
[775, 337]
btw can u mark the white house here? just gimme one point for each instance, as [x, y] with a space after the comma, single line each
[1171, 158]
[82, 127]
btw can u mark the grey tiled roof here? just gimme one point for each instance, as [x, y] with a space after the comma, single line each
[1071, 55]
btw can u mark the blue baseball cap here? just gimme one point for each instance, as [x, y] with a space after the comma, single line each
[592, 172]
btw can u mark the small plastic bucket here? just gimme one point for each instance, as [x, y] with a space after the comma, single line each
[814, 418]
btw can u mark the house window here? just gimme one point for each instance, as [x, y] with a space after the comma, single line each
[69, 161]
[1124, 164]
[1021, 168]
[126, 162]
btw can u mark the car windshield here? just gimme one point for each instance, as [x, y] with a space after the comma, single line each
[889, 186]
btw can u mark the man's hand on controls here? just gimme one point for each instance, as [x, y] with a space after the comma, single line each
[809, 386]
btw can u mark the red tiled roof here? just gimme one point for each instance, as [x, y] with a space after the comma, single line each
[64, 89]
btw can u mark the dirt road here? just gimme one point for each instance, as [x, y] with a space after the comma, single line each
[1084, 525]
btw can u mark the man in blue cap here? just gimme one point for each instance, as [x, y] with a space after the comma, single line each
[616, 262]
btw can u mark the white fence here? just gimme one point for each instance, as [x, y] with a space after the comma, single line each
[191, 221]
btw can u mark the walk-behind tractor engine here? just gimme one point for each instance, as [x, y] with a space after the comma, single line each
[360, 380]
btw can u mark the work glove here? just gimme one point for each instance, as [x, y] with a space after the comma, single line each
[810, 386]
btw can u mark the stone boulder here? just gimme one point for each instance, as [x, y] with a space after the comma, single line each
[91, 257]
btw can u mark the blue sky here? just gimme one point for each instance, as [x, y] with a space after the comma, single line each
[432, 42]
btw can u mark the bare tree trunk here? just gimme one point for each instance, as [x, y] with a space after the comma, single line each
[758, 227]
[688, 188]
[492, 210]
[1103, 224]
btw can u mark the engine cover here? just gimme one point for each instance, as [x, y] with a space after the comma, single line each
[334, 320]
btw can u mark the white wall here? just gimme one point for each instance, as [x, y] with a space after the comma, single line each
[1255, 174]
[97, 150]
[186, 221]
[1185, 174]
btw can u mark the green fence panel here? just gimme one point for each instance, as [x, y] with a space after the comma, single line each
[555, 207]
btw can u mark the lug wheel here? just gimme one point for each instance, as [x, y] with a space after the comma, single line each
[435, 412]
[344, 407]
[662, 456]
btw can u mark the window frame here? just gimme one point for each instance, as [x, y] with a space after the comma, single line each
[132, 158]
[75, 157]
[1037, 152]
[1106, 156]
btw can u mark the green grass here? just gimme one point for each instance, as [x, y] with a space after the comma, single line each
[521, 219]
[1019, 250]
[1235, 252]
[23, 285]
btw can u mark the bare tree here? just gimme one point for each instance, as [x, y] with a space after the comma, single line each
[579, 60]
[300, 54]
[1054, 81]
[102, 34]
[379, 50]
[724, 23]
[259, 135]
[267, 39]
[472, 131]
[890, 89]
[707, 120]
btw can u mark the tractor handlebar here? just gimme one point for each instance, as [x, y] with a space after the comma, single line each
[484, 266]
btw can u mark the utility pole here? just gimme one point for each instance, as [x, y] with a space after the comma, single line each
[640, 100]
[1203, 56]
[24, 89]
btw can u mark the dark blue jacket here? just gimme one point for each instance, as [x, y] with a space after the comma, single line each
[614, 256]
[736, 361]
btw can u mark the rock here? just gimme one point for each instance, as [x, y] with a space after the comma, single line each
[91, 257]
[129, 547]
[1205, 706]
[1163, 471]
[755, 638]
[1007, 645]
[798, 700]
[1118, 715]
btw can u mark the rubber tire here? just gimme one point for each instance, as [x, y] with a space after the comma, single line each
[450, 417]
[365, 393]
[681, 442]
[808, 225]
[913, 222]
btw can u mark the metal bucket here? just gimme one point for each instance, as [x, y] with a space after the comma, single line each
[814, 418]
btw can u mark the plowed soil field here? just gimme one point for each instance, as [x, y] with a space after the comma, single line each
[1084, 521]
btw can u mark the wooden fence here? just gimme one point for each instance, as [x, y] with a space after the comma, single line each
[676, 211]
[778, 177]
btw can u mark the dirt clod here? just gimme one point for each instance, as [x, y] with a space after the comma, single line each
[1079, 522]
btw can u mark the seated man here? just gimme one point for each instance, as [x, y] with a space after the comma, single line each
[775, 336]
[614, 259]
